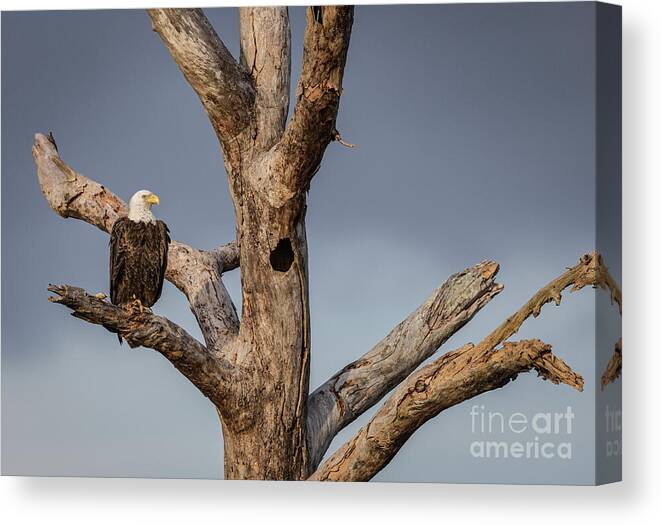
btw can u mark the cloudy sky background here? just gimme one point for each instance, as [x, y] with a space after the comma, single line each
[474, 127]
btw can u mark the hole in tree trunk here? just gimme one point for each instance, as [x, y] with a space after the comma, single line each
[282, 256]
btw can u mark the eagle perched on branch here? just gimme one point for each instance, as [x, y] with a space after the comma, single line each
[138, 254]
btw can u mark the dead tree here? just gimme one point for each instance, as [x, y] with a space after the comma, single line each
[256, 371]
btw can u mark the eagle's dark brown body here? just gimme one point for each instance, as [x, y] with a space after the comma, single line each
[138, 259]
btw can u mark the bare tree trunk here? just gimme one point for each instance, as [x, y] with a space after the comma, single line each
[269, 168]
[264, 422]
[256, 371]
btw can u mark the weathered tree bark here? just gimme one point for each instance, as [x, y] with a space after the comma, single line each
[266, 55]
[256, 371]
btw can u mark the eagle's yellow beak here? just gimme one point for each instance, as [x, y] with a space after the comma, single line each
[153, 199]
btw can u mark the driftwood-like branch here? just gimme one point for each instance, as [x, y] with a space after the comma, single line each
[589, 271]
[224, 87]
[614, 367]
[70, 194]
[196, 273]
[361, 384]
[266, 55]
[487, 368]
[206, 370]
[312, 127]
[448, 381]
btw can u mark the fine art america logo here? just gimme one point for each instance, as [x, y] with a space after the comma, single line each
[543, 435]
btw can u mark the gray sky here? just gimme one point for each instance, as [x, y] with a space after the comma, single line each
[475, 134]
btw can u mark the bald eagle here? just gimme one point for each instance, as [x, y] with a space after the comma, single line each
[138, 254]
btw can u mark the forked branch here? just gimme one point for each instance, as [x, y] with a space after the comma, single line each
[206, 370]
[196, 273]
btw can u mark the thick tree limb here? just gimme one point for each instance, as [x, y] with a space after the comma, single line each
[614, 367]
[266, 55]
[361, 384]
[206, 370]
[448, 381]
[299, 153]
[196, 273]
[224, 87]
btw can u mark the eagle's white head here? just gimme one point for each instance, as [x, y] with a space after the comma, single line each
[140, 206]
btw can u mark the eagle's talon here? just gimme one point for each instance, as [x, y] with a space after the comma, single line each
[138, 303]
